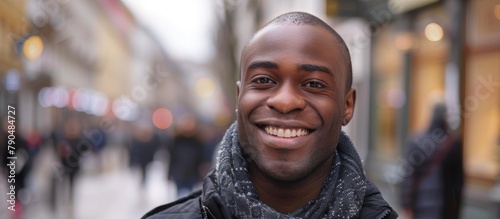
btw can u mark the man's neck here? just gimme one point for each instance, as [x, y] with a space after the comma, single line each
[286, 197]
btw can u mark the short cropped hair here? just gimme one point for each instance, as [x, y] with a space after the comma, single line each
[302, 18]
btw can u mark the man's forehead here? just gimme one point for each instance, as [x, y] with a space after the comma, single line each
[275, 35]
[284, 30]
[272, 35]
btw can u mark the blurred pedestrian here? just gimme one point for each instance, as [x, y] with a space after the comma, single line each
[55, 138]
[99, 140]
[143, 147]
[33, 143]
[69, 147]
[434, 189]
[186, 155]
[212, 136]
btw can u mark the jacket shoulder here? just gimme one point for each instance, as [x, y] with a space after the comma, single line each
[374, 205]
[184, 208]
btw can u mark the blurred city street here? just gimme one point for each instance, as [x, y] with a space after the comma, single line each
[108, 192]
[108, 105]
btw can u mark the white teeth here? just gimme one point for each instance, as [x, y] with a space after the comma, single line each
[281, 133]
[286, 133]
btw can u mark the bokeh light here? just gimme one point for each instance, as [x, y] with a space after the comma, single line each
[60, 97]
[44, 97]
[33, 48]
[205, 87]
[125, 109]
[162, 118]
[433, 32]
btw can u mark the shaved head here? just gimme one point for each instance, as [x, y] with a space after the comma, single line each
[302, 18]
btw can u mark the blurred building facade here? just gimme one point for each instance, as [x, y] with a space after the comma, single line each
[481, 94]
[12, 23]
[406, 55]
[428, 52]
[93, 59]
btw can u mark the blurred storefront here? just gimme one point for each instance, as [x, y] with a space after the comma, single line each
[481, 94]
[439, 51]
[480, 109]
[422, 56]
[411, 60]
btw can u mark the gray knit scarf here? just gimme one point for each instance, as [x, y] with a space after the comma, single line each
[341, 197]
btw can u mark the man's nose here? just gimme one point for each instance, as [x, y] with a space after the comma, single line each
[286, 99]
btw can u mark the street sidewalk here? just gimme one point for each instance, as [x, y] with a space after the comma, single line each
[113, 193]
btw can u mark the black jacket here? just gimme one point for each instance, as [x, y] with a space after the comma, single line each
[207, 204]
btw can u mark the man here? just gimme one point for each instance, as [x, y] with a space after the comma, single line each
[286, 156]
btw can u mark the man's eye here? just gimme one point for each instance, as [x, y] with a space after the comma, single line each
[262, 80]
[315, 84]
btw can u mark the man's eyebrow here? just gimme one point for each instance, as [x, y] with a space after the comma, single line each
[262, 64]
[311, 68]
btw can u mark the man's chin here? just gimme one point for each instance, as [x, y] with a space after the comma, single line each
[283, 173]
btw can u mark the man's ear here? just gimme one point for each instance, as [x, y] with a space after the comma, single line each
[350, 102]
[238, 85]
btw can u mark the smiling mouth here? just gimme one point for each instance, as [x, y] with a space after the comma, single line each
[285, 132]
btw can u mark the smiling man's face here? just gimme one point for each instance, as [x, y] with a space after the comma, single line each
[292, 100]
